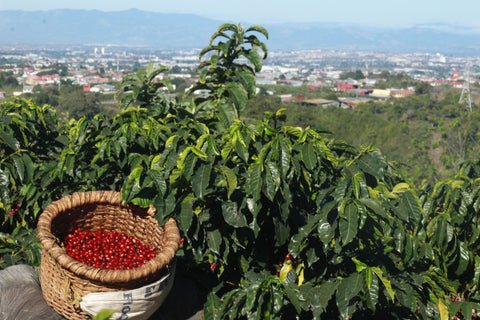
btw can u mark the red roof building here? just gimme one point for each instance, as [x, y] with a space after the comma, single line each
[345, 87]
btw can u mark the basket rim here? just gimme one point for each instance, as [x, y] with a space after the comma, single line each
[51, 246]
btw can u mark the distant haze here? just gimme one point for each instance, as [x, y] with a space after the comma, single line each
[177, 31]
[371, 12]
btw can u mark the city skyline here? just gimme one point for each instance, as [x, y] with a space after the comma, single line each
[368, 12]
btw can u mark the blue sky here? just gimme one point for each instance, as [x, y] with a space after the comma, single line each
[370, 12]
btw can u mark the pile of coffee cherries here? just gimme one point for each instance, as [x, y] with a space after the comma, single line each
[107, 250]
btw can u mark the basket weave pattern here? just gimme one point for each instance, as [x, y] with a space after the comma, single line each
[64, 280]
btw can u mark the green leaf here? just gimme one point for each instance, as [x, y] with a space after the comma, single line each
[201, 179]
[251, 297]
[210, 308]
[69, 164]
[348, 225]
[464, 259]
[159, 180]
[4, 186]
[206, 50]
[18, 162]
[224, 27]
[274, 173]
[309, 156]
[285, 157]
[254, 59]
[476, 278]
[282, 232]
[410, 206]
[183, 156]
[356, 186]
[363, 215]
[214, 241]
[199, 152]
[231, 179]
[371, 165]
[408, 248]
[135, 92]
[248, 82]
[325, 230]
[228, 300]
[254, 181]
[169, 204]
[212, 146]
[401, 187]
[377, 208]
[347, 289]
[185, 217]
[270, 185]
[189, 165]
[258, 28]
[300, 237]
[241, 149]
[321, 296]
[103, 315]
[360, 266]
[253, 206]
[29, 190]
[237, 95]
[340, 189]
[441, 232]
[385, 282]
[292, 293]
[29, 167]
[10, 140]
[232, 215]
[141, 201]
[277, 299]
[226, 114]
[467, 309]
[373, 289]
[312, 256]
[131, 187]
[295, 131]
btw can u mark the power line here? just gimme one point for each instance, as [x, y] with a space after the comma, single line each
[465, 96]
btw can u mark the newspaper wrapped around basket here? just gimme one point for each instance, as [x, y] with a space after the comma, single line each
[65, 281]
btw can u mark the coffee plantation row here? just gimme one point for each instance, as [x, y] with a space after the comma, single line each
[278, 222]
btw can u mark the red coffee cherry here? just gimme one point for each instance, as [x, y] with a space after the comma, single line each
[108, 250]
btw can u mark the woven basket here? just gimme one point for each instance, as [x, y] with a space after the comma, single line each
[64, 280]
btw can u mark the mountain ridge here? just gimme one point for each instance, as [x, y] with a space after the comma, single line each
[133, 27]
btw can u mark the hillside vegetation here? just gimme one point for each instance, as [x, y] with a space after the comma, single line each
[429, 134]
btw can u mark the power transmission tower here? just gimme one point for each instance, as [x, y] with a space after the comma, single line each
[465, 96]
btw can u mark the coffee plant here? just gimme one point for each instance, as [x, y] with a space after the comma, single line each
[228, 80]
[278, 222]
[21, 246]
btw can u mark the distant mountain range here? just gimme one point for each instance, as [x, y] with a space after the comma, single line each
[183, 31]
